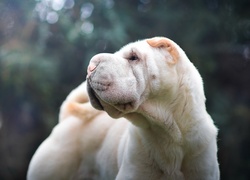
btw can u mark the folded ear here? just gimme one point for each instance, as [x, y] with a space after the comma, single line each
[162, 42]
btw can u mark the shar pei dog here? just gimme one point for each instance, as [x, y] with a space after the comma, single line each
[140, 115]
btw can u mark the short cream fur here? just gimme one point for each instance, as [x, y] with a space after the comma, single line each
[163, 130]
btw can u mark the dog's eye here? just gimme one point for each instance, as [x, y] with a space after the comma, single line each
[133, 57]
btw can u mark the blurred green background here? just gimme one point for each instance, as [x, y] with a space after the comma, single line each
[45, 46]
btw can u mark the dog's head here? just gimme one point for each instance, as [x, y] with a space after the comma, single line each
[142, 71]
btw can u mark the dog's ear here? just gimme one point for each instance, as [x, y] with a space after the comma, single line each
[162, 42]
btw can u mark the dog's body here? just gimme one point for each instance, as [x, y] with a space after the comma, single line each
[167, 133]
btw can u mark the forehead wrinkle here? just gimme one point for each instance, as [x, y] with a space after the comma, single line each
[136, 47]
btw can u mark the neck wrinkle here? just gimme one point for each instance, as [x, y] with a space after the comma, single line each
[160, 121]
[189, 104]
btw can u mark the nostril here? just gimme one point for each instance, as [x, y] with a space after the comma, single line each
[91, 68]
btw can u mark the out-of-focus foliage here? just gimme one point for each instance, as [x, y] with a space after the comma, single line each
[45, 46]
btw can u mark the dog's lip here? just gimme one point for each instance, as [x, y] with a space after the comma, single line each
[124, 106]
[94, 97]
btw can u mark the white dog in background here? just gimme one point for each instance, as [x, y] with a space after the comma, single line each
[163, 130]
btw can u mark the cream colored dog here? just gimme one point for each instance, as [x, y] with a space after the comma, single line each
[165, 132]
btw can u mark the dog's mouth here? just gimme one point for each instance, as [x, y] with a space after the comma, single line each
[124, 106]
[115, 109]
[93, 97]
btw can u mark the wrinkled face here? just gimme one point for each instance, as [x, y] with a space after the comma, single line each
[120, 83]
